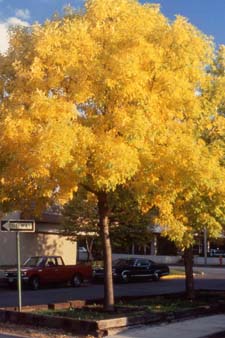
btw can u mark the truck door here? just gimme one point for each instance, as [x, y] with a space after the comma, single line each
[50, 271]
[62, 270]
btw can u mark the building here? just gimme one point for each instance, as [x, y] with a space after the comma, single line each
[46, 240]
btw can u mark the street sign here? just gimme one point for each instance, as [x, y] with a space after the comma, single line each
[18, 225]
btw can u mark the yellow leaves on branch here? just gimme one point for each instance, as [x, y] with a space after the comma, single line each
[114, 162]
[115, 95]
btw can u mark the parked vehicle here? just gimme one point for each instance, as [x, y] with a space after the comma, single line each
[126, 270]
[42, 270]
[216, 253]
[82, 254]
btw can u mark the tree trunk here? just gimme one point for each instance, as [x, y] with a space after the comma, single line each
[89, 246]
[189, 281]
[107, 251]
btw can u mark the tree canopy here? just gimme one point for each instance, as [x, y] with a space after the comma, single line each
[113, 96]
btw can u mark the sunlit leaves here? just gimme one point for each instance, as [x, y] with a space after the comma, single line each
[116, 96]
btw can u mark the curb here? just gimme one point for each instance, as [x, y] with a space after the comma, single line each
[182, 276]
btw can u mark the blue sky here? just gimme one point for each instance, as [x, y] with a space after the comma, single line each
[207, 15]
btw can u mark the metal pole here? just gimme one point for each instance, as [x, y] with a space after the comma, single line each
[18, 271]
[205, 246]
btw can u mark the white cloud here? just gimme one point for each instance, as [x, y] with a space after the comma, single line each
[13, 21]
[23, 13]
[4, 36]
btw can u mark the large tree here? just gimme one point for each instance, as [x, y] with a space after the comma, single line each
[80, 219]
[103, 98]
[198, 202]
[128, 225]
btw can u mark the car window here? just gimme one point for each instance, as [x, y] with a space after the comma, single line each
[216, 252]
[142, 263]
[82, 249]
[122, 262]
[51, 262]
[59, 261]
[33, 261]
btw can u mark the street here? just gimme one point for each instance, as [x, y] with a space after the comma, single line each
[213, 278]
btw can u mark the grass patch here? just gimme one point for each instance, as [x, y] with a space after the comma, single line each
[165, 305]
[177, 272]
[94, 312]
[82, 314]
[127, 308]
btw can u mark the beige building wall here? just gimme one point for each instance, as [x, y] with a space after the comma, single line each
[7, 248]
[37, 243]
[34, 244]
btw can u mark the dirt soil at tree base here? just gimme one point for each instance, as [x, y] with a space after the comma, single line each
[35, 332]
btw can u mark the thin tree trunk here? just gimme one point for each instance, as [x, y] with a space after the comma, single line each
[89, 246]
[189, 281]
[107, 251]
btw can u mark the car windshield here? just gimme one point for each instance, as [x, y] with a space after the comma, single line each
[33, 261]
[122, 262]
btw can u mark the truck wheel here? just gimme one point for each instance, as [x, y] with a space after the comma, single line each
[34, 283]
[76, 280]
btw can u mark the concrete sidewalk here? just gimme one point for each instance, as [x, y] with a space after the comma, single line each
[194, 328]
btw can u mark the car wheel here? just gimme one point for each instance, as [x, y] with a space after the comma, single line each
[156, 277]
[35, 283]
[125, 277]
[76, 280]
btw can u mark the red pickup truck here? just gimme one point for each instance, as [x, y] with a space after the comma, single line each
[43, 270]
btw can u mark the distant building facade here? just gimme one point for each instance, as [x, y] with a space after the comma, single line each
[46, 240]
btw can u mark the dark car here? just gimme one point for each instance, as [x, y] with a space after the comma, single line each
[216, 253]
[126, 270]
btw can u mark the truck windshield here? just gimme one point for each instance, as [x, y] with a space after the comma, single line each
[33, 261]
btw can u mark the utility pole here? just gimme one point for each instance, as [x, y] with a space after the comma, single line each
[205, 246]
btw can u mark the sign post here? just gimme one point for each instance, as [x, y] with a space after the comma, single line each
[205, 246]
[18, 226]
[18, 271]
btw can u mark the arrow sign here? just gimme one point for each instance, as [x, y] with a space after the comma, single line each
[18, 225]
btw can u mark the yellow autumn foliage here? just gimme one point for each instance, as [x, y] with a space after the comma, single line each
[113, 96]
